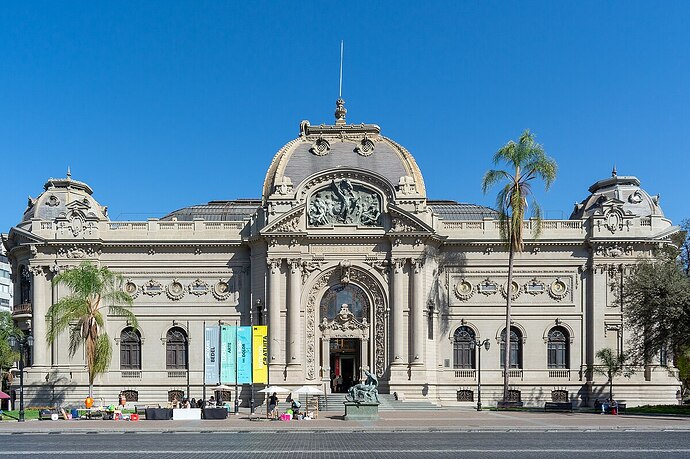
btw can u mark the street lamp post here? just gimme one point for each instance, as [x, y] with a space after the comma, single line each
[479, 344]
[21, 343]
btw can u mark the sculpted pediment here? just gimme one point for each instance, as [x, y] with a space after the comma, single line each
[404, 222]
[290, 222]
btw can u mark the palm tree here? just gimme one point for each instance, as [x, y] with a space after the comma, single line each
[612, 365]
[92, 288]
[526, 160]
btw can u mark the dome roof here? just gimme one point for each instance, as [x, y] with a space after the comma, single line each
[624, 190]
[356, 146]
[63, 196]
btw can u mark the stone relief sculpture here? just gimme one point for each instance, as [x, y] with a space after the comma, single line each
[344, 203]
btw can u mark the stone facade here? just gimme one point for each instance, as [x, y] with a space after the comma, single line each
[352, 268]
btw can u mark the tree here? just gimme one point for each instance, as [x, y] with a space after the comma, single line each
[92, 289]
[684, 246]
[7, 355]
[612, 365]
[656, 306]
[527, 161]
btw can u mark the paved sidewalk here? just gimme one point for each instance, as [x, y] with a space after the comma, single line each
[454, 419]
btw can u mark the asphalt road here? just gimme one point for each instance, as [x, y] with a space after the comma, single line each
[334, 444]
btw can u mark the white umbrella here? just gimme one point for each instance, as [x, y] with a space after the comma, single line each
[223, 387]
[309, 390]
[276, 389]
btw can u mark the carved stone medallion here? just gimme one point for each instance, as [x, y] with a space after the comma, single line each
[175, 290]
[152, 288]
[131, 289]
[558, 289]
[515, 290]
[221, 290]
[464, 290]
[488, 287]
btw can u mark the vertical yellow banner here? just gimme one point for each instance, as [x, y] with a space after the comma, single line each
[260, 354]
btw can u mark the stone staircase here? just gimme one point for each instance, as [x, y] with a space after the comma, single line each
[334, 403]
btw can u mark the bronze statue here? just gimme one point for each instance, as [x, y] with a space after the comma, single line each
[366, 392]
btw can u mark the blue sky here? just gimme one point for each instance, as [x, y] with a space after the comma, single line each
[159, 105]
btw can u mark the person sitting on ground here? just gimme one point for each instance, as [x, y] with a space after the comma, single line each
[211, 402]
[174, 403]
[185, 403]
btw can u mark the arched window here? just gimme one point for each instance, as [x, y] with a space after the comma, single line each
[557, 348]
[515, 348]
[176, 349]
[463, 352]
[338, 295]
[130, 349]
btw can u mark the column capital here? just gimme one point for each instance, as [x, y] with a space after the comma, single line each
[398, 264]
[274, 264]
[294, 264]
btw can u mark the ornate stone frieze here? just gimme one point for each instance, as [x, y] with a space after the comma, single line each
[290, 224]
[327, 179]
[175, 290]
[382, 266]
[400, 226]
[77, 252]
[345, 203]
[406, 185]
[614, 250]
[614, 220]
[309, 266]
[488, 287]
[535, 287]
[198, 287]
[152, 288]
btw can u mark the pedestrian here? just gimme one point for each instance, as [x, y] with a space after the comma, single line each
[273, 405]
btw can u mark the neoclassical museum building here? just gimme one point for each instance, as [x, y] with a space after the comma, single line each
[352, 268]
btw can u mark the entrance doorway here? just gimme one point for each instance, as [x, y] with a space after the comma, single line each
[345, 363]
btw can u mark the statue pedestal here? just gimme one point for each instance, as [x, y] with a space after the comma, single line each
[364, 411]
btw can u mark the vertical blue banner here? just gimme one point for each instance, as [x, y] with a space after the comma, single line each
[244, 355]
[211, 365]
[228, 354]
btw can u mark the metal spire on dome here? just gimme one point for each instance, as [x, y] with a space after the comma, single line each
[340, 110]
[69, 174]
[613, 172]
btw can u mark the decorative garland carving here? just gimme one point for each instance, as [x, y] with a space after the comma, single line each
[399, 226]
[535, 287]
[174, 290]
[290, 225]
[53, 201]
[198, 287]
[152, 288]
[488, 287]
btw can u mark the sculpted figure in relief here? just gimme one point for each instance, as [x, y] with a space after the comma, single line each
[344, 203]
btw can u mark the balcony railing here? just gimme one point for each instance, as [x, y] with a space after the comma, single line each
[22, 309]
[466, 373]
[513, 373]
[131, 374]
[559, 374]
[177, 374]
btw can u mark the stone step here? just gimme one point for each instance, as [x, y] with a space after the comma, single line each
[334, 402]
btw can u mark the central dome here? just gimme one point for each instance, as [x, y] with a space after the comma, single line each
[353, 146]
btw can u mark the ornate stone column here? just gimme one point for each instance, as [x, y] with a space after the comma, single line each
[417, 314]
[326, 363]
[364, 358]
[397, 304]
[274, 332]
[40, 307]
[294, 336]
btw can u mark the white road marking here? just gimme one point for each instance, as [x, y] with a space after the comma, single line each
[326, 451]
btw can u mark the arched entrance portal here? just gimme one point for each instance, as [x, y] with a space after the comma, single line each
[345, 327]
[343, 311]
